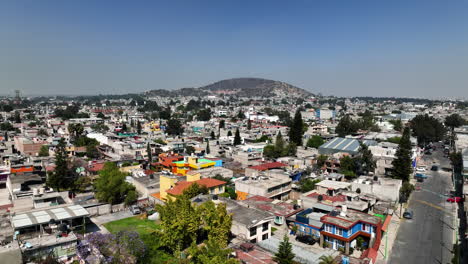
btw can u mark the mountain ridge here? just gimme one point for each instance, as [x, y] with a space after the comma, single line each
[242, 87]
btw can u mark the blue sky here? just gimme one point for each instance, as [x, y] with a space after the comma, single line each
[345, 48]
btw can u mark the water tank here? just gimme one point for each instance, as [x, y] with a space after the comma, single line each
[42, 190]
[35, 191]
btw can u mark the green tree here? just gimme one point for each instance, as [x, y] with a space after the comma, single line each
[138, 127]
[321, 160]
[348, 167]
[204, 115]
[346, 126]
[279, 145]
[237, 138]
[222, 123]
[42, 132]
[174, 127]
[111, 186]
[269, 151]
[402, 162]
[194, 190]
[366, 159]
[296, 130]
[216, 221]
[210, 253]
[249, 124]
[397, 125]
[395, 140]
[149, 152]
[229, 133]
[44, 151]
[454, 120]
[180, 221]
[58, 179]
[307, 184]
[327, 259]
[427, 129]
[208, 147]
[315, 141]
[212, 135]
[75, 130]
[17, 117]
[284, 254]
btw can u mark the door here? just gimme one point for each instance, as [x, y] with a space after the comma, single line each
[335, 244]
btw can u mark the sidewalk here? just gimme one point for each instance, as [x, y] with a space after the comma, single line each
[388, 239]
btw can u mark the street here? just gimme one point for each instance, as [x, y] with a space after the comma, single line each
[428, 237]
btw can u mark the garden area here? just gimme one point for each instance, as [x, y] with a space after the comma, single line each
[135, 223]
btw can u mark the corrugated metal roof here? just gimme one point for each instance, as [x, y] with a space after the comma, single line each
[44, 216]
[345, 144]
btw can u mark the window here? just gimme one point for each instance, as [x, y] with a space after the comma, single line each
[265, 226]
[253, 231]
[265, 236]
[366, 227]
[253, 241]
[328, 228]
[339, 231]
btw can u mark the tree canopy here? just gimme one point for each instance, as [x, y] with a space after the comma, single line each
[315, 141]
[402, 162]
[427, 129]
[111, 186]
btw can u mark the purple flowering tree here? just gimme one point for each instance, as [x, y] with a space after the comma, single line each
[123, 247]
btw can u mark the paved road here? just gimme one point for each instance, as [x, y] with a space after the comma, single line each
[427, 238]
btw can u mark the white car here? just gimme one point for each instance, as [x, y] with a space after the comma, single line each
[420, 169]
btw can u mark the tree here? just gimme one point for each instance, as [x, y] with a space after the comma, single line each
[44, 151]
[138, 127]
[58, 179]
[397, 125]
[189, 150]
[321, 160]
[101, 115]
[237, 138]
[222, 123]
[296, 130]
[402, 162]
[212, 135]
[216, 222]
[346, 126]
[315, 141]
[210, 253]
[149, 152]
[42, 132]
[454, 120]
[174, 127]
[229, 133]
[427, 129]
[366, 159]
[124, 127]
[111, 186]
[326, 259]
[75, 130]
[204, 115]
[240, 115]
[207, 147]
[307, 184]
[348, 167]
[284, 254]
[17, 117]
[249, 124]
[195, 189]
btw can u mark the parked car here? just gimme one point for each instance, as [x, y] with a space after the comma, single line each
[420, 175]
[419, 179]
[408, 214]
[455, 199]
[306, 239]
[135, 209]
[420, 169]
[434, 168]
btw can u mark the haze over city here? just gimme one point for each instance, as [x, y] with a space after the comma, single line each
[342, 48]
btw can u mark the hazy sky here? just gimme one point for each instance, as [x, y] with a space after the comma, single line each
[346, 48]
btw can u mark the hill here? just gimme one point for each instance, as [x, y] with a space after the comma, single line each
[242, 87]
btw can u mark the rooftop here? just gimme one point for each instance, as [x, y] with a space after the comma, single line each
[334, 185]
[268, 166]
[33, 218]
[269, 205]
[350, 218]
[179, 188]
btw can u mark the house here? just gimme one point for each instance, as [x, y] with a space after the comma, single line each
[29, 146]
[384, 188]
[341, 228]
[274, 186]
[346, 145]
[255, 170]
[191, 163]
[281, 210]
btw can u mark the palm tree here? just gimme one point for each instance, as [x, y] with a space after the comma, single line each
[327, 260]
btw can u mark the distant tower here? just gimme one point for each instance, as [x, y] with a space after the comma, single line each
[17, 95]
